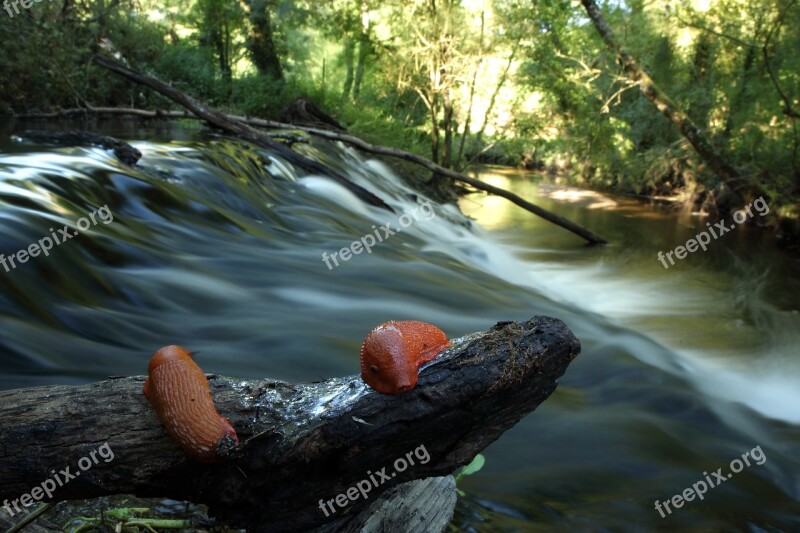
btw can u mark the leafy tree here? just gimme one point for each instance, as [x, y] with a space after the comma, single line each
[221, 24]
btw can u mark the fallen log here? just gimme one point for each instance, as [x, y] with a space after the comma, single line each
[243, 129]
[309, 452]
[124, 151]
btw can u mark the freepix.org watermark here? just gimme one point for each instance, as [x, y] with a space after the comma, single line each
[424, 211]
[714, 480]
[59, 479]
[363, 487]
[46, 244]
[8, 5]
[702, 239]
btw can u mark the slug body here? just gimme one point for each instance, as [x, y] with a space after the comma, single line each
[393, 352]
[178, 391]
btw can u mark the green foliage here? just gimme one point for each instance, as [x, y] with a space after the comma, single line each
[124, 519]
[474, 466]
[264, 96]
[547, 92]
[190, 69]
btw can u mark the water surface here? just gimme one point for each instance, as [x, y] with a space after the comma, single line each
[218, 246]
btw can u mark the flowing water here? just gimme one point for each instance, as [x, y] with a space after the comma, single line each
[218, 246]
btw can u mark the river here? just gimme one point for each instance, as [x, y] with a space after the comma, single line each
[219, 247]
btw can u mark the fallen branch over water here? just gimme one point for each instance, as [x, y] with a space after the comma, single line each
[241, 130]
[307, 442]
[242, 127]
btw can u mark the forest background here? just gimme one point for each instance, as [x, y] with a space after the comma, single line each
[510, 82]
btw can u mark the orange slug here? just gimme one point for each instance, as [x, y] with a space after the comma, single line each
[178, 391]
[393, 352]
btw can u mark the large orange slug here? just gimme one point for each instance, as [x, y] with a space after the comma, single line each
[393, 352]
[178, 391]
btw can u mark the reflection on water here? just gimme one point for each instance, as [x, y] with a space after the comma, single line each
[712, 308]
[217, 246]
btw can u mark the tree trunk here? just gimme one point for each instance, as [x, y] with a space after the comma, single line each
[702, 89]
[222, 57]
[434, 114]
[471, 101]
[349, 60]
[261, 41]
[447, 125]
[364, 47]
[740, 105]
[302, 445]
[493, 98]
[659, 99]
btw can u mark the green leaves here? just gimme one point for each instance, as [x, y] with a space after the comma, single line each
[476, 464]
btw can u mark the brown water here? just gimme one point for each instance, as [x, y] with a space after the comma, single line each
[218, 246]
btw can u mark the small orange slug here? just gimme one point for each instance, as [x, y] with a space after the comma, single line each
[178, 391]
[393, 352]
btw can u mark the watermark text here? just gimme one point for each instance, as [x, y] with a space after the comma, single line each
[58, 479]
[46, 244]
[717, 478]
[367, 242]
[363, 487]
[702, 239]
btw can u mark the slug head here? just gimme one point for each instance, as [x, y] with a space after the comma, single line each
[386, 363]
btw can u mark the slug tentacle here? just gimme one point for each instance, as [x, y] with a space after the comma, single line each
[393, 352]
[178, 391]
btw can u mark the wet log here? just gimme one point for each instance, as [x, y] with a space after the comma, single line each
[124, 151]
[312, 454]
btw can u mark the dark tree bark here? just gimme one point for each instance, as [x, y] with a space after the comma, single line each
[741, 105]
[124, 151]
[447, 125]
[349, 65]
[700, 107]
[301, 444]
[433, 111]
[261, 40]
[364, 49]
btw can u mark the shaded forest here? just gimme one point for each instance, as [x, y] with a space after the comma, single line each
[520, 83]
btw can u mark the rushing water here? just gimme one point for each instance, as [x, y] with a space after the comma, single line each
[218, 247]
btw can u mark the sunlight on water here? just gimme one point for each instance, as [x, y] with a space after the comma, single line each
[701, 303]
